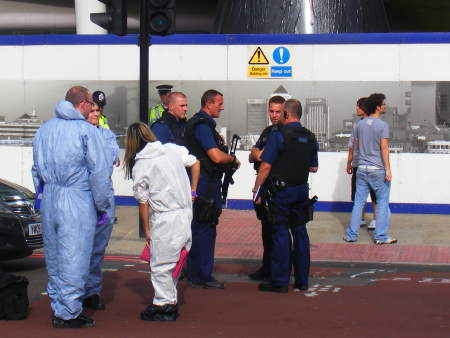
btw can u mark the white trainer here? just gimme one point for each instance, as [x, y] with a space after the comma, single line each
[372, 225]
[389, 240]
[363, 222]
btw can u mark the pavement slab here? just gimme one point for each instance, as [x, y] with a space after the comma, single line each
[422, 238]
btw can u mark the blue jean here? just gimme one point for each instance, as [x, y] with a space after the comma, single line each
[375, 179]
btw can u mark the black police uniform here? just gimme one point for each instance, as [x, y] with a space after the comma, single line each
[200, 136]
[291, 151]
[263, 216]
[169, 129]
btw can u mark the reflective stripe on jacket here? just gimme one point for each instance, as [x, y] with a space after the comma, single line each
[155, 113]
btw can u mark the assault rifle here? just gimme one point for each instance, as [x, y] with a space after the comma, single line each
[229, 169]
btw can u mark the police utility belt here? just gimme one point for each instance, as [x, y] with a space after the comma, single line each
[279, 184]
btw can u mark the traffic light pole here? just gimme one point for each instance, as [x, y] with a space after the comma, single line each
[144, 44]
[160, 22]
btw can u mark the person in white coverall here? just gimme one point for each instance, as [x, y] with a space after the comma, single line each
[160, 182]
[70, 163]
[104, 227]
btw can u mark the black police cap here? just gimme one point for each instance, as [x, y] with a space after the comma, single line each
[164, 89]
[99, 98]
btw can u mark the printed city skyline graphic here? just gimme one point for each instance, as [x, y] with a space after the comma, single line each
[418, 112]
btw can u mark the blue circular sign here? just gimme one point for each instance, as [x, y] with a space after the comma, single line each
[281, 55]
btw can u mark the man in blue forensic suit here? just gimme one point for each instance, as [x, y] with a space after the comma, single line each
[288, 157]
[275, 114]
[104, 225]
[207, 145]
[70, 163]
[170, 127]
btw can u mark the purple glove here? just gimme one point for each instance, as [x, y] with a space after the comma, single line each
[102, 218]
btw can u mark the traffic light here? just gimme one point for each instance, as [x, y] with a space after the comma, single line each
[161, 17]
[115, 18]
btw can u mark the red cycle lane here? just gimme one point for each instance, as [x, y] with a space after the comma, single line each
[341, 302]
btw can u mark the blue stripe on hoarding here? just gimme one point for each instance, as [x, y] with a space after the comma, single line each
[396, 208]
[230, 39]
[125, 200]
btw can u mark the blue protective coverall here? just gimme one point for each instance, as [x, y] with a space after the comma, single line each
[70, 161]
[103, 231]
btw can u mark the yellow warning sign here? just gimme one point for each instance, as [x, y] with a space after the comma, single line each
[258, 71]
[258, 58]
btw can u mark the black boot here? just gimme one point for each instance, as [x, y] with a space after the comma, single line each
[260, 275]
[300, 287]
[77, 323]
[164, 313]
[93, 302]
[268, 287]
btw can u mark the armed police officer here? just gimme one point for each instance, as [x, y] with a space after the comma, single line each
[288, 157]
[170, 127]
[205, 143]
[275, 114]
[158, 110]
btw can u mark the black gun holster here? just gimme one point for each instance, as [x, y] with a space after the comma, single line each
[263, 212]
[206, 211]
[309, 212]
[302, 213]
[260, 210]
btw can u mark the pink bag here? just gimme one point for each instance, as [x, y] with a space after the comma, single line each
[183, 256]
[145, 256]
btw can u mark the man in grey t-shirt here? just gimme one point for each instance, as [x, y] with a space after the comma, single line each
[374, 170]
[352, 166]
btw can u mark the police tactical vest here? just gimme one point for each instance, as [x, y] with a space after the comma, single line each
[294, 161]
[209, 167]
[176, 127]
[261, 143]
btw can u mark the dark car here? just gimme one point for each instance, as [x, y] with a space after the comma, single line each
[20, 223]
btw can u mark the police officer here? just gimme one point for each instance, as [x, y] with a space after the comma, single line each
[288, 157]
[207, 145]
[99, 98]
[157, 111]
[170, 127]
[275, 113]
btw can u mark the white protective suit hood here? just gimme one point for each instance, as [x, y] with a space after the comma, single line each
[151, 150]
[160, 176]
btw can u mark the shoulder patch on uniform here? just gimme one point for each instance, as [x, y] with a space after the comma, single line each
[302, 139]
